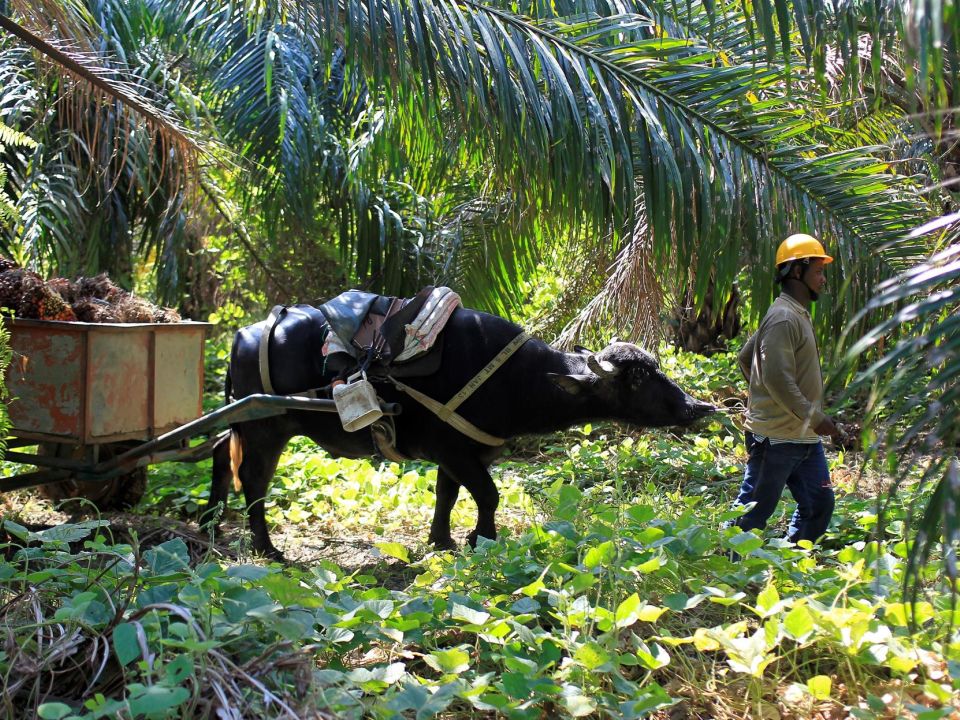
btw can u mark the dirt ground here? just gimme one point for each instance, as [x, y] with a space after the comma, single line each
[300, 544]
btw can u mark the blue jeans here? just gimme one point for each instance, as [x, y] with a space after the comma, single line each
[799, 466]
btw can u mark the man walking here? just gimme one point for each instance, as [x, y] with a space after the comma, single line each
[785, 418]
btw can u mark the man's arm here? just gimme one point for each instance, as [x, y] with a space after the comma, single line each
[779, 362]
[745, 357]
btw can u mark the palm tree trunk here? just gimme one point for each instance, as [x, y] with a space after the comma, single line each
[707, 330]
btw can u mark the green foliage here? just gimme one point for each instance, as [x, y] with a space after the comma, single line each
[617, 602]
[907, 388]
[660, 139]
[609, 593]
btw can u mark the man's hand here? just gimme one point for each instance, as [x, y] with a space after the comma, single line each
[828, 427]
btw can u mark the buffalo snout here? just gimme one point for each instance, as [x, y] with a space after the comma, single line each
[697, 410]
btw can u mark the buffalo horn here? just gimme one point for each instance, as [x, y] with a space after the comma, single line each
[601, 368]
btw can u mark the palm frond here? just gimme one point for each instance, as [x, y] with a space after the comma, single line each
[107, 85]
[11, 136]
[567, 100]
[51, 212]
[859, 39]
[912, 387]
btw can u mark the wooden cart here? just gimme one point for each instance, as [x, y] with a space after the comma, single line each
[101, 402]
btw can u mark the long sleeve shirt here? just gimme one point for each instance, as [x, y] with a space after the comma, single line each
[782, 365]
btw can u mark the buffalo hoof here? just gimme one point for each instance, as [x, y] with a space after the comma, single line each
[272, 554]
[446, 543]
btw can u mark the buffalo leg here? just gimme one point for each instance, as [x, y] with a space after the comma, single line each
[447, 491]
[219, 485]
[261, 452]
[469, 472]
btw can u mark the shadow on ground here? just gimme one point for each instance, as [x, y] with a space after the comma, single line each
[301, 546]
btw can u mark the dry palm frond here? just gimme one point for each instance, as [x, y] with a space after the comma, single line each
[631, 298]
[94, 82]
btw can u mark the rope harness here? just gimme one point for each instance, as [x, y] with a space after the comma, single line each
[384, 434]
[447, 411]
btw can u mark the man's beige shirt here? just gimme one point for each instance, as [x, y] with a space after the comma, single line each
[782, 364]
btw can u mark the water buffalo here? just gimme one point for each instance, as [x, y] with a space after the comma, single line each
[539, 389]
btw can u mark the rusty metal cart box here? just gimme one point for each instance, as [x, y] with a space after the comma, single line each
[89, 383]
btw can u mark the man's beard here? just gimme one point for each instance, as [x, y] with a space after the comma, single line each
[814, 295]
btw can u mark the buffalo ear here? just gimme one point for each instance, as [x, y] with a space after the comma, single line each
[573, 384]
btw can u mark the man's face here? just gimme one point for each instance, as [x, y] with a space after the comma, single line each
[815, 277]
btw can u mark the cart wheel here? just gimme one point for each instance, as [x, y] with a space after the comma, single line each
[117, 493]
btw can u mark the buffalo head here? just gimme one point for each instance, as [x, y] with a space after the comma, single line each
[625, 382]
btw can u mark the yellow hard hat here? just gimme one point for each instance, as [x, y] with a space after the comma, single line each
[799, 247]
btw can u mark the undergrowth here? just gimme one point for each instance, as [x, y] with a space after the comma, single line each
[612, 592]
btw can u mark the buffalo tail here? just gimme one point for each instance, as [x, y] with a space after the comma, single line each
[236, 458]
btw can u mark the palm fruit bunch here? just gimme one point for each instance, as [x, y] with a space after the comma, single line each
[12, 286]
[39, 302]
[97, 299]
[94, 310]
[100, 287]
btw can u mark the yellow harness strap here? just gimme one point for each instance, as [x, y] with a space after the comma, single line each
[446, 412]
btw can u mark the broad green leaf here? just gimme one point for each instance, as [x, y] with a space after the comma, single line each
[156, 699]
[395, 550]
[169, 557]
[568, 500]
[641, 705]
[650, 613]
[600, 554]
[705, 640]
[798, 623]
[53, 711]
[524, 606]
[680, 601]
[627, 611]
[125, 643]
[238, 602]
[452, 661]
[248, 572]
[289, 591]
[468, 614]
[377, 679]
[536, 586]
[591, 655]
[515, 684]
[66, 533]
[820, 686]
[745, 543]
[579, 705]
[652, 657]
[16, 529]
[641, 514]
[179, 669]
[768, 601]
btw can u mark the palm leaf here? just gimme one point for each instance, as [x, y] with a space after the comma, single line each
[108, 85]
[696, 134]
[910, 388]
